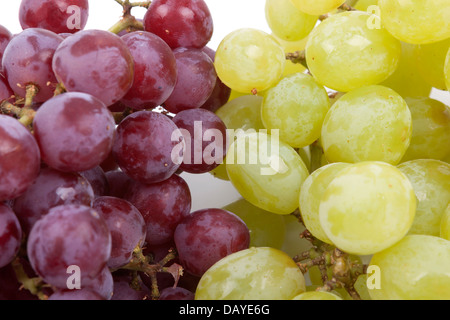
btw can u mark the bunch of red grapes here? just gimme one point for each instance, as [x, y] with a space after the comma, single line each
[88, 179]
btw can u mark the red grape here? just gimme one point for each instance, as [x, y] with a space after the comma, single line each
[207, 236]
[83, 294]
[206, 140]
[5, 37]
[143, 147]
[195, 83]
[28, 60]
[75, 132]
[119, 183]
[11, 288]
[155, 71]
[124, 291]
[126, 225]
[69, 235]
[181, 23]
[103, 283]
[95, 62]
[52, 188]
[10, 235]
[109, 164]
[19, 158]
[59, 16]
[163, 205]
[5, 91]
[97, 178]
[176, 294]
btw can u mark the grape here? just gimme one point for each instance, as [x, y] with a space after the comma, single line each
[431, 182]
[317, 295]
[60, 16]
[249, 59]
[207, 236]
[431, 129]
[74, 131]
[119, 183]
[28, 60]
[311, 195]
[374, 53]
[5, 91]
[163, 205]
[269, 179]
[416, 268]
[195, 83]
[155, 71]
[363, 5]
[416, 21]
[266, 229]
[126, 225]
[293, 244]
[10, 235]
[19, 158]
[371, 123]
[431, 61]
[181, 23]
[124, 291]
[317, 7]
[296, 106]
[205, 135]
[69, 235]
[447, 70]
[288, 22]
[252, 274]
[97, 179]
[367, 207]
[109, 164]
[406, 80]
[5, 37]
[11, 288]
[242, 113]
[289, 47]
[83, 294]
[143, 147]
[445, 224]
[52, 188]
[95, 62]
[221, 92]
[103, 283]
[176, 294]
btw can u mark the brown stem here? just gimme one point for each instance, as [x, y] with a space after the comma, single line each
[297, 57]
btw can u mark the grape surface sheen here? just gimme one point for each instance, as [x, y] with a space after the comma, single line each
[252, 274]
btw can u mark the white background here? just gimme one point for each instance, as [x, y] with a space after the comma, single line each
[228, 15]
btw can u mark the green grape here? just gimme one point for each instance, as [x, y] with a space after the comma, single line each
[447, 70]
[431, 61]
[363, 5]
[447, 159]
[293, 244]
[416, 21]
[317, 7]
[290, 47]
[445, 224]
[361, 287]
[431, 182]
[311, 194]
[236, 94]
[266, 229]
[288, 22]
[296, 106]
[431, 129]
[371, 123]
[406, 80]
[252, 274]
[344, 54]
[243, 112]
[267, 172]
[317, 295]
[305, 154]
[416, 268]
[367, 207]
[249, 59]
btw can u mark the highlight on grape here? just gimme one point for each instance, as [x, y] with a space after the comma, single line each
[333, 128]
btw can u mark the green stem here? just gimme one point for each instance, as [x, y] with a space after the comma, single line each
[127, 22]
[34, 285]
[316, 156]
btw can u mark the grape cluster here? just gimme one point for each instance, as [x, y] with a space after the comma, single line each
[326, 128]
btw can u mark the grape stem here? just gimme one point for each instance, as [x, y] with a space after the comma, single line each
[142, 263]
[34, 285]
[128, 21]
[344, 7]
[297, 57]
[316, 156]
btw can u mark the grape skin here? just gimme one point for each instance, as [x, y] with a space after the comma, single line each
[317, 7]
[445, 224]
[10, 235]
[317, 295]
[367, 207]
[252, 274]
